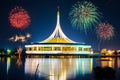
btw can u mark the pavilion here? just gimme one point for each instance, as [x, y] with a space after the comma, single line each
[58, 43]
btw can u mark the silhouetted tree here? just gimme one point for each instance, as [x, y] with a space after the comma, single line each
[115, 53]
[106, 73]
[98, 73]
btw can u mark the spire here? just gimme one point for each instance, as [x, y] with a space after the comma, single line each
[58, 15]
[58, 33]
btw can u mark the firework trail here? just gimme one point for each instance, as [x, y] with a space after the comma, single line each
[105, 31]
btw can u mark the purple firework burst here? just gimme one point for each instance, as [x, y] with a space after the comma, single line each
[105, 31]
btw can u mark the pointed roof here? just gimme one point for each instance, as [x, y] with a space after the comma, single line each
[58, 36]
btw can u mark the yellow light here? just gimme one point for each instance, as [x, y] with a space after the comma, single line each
[109, 52]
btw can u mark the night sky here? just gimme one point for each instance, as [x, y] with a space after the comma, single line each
[43, 22]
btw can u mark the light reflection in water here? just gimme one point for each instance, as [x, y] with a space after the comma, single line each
[54, 68]
[19, 62]
[58, 69]
[110, 62]
[106, 62]
[8, 64]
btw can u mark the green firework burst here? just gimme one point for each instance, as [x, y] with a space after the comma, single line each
[84, 15]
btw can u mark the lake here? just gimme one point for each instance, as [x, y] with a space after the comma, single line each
[54, 68]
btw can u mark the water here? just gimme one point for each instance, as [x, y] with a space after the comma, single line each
[54, 68]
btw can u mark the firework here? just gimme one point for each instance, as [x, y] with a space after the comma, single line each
[19, 18]
[20, 38]
[105, 31]
[84, 15]
[28, 35]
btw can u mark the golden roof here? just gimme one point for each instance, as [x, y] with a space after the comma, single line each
[58, 40]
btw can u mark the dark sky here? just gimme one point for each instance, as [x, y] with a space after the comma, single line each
[43, 22]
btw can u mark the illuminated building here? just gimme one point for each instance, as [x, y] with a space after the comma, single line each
[58, 42]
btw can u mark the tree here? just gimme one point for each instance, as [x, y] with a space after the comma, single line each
[104, 51]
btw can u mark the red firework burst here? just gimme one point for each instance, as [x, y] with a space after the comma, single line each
[19, 17]
[105, 31]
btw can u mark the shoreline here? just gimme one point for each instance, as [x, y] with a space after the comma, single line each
[60, 55]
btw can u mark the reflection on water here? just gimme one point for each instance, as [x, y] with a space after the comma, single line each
[58, 69]
[106, 62]
[54, 68]
[8, 64]
[110, 62]
[19, 62]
